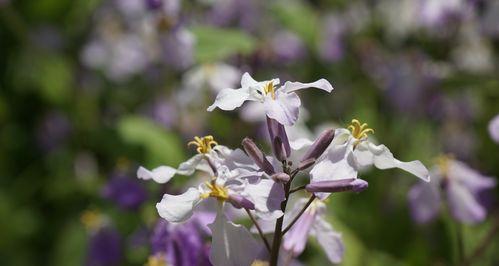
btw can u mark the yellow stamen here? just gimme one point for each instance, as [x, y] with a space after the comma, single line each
[269, 89]
[216, 191]
[443, 162]
[91, 219]
[259, 263]
[204, 144]
[157, 260]
[359, 131]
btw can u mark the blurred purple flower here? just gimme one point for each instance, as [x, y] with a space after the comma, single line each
[494, 128]
[331, 46]
[53, 130]
[181, 244]
[163, 112]
[177, 48]
[126, 192]
[461, 187]
[288, 47]
[242, 13]
[490, 19]
[437, 12]
[104, 248]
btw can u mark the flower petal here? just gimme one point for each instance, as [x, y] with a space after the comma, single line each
[296, 239]
[470, 178]
[267, 196]
[232, 245]
[300, 143]
[424, 201]
[463, 206]
[160, 174]
[229, 99]
[383, 159]
[188, 167]
[329, 239]
[284, 108]
[178, 208]
[319, 84]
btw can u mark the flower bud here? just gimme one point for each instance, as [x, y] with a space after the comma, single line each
[319, 145]
[277, 130]
[258, 156]
[306, 164]
[280, 177]
[349, 184]
[239, 202]
[279, 150]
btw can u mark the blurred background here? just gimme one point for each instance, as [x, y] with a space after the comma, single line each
[91, 89]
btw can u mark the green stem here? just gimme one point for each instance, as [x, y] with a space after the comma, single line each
[460, 243]
[260, 232]
[276, 242]
[312, 198]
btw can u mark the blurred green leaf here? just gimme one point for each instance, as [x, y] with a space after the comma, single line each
[215, 44]
[162, 147]
[70, 246]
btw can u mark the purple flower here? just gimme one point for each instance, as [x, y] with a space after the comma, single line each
[242, 13]
[494, 128]
[126, 192]
[179, 244]
[104, 248]
[331, 46]
[287, 47]
[456, 183]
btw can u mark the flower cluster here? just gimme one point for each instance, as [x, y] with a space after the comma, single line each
[263, 185]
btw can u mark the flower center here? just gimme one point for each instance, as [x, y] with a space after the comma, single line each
[91, 219]
[269, 89]
[359, 131]
[157, 260]
[204, 144]
[443, 163]
[259, 263]
[216, 191]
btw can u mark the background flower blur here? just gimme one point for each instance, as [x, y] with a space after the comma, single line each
[91, 88]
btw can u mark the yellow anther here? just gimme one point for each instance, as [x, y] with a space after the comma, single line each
[203, 144]
[359, 131]
[269, 89]
[156, 260]
[216, 191]
[443, 162]
[259, 263]
[91, 219]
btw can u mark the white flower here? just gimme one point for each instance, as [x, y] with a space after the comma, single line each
[351, 151]
[205, 149]
[259, 195]
[280, 103]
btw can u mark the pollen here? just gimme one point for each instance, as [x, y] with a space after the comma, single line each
[359, 131]
[269, 89]
[204, 144]
[216, 191]
[443, 162]
[157, 260]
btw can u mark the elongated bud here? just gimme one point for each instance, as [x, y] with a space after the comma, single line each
[280, 177]
[279, 150]
[306, 164]
[239, 202]
[258, 156]
[319, 145]
[350, 184]
[277, 130]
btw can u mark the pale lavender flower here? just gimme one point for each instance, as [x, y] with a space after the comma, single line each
[177, 48]
[331, 47]
[287, 47]
[351, 151]
[126, 192]
[241, 13]
[457, 184]
[494, 128]
[164, 112]
[281, 103]
[437, 12]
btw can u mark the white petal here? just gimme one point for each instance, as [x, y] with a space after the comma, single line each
[178, 208]
[329, 239]
[231, 245]
[188, 167]
[319, 84]
[229, 99]
[248, 81]
[284, 108]
[383, 159]
[160, 174]
[300, 143]
[463, 205]
[223, 76]
[267, 196]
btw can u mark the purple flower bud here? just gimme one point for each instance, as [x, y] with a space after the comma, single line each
[280, 177]
[279, 149]
[258, 156]
[278, 130]
[349, 184]
[306, 164]
[154, 4]
[239, 202]
[319, 145]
